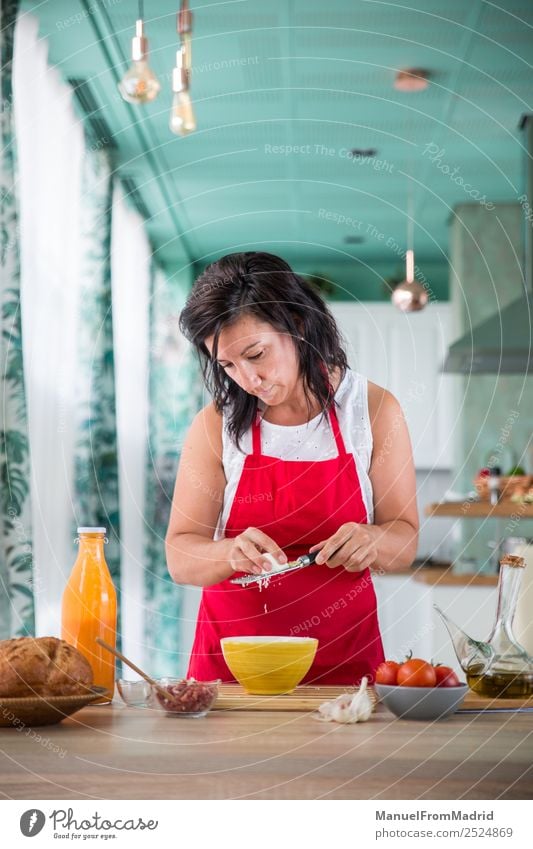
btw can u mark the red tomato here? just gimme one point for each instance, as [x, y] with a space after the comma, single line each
[416, 673]
[446, 677]
[386, 672]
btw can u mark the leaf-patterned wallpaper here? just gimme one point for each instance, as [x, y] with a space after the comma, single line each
[175, 397]
[17, 616]
[96, 493]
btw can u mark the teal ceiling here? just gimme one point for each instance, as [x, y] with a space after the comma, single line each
[314, 78]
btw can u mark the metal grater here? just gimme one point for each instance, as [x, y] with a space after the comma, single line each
[293, 566]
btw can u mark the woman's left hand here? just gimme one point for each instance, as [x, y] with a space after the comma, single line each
[352, 546]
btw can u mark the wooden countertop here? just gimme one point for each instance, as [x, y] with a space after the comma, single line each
[116, 752]
[445, 577]
[480, 509]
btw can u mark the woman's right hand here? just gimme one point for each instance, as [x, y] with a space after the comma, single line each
[247, 553]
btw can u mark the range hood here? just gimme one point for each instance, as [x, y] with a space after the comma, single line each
[503, 343]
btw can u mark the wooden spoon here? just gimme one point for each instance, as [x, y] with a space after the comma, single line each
[161, 690]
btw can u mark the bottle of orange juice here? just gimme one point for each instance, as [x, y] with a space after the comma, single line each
[89, 609]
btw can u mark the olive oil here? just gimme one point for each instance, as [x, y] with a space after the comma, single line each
[496, 685]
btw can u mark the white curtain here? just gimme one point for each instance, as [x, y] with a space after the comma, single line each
[50, 149]
[130, 273]
[51, 143]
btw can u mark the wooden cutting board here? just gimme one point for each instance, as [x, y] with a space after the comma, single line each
[306, 698]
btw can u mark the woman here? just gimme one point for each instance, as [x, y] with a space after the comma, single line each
[296, 453]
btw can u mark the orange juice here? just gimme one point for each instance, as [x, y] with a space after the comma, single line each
[89, 609]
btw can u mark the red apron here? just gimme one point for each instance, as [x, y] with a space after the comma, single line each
[297, 503]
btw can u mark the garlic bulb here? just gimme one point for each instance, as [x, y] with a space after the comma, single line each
[274, 562]
[348, 707]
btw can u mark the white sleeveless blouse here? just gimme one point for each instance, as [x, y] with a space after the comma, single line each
[311, 441]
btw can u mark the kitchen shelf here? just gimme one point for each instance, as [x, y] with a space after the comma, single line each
[480, 509]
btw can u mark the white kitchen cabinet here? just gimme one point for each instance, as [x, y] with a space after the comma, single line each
[472, 608]
[403, 610]
[409, 622]
[404, 353]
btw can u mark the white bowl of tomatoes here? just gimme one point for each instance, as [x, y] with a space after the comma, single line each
[417, 689]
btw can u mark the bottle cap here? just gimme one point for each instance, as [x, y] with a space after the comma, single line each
[92, 530]
[513, 560]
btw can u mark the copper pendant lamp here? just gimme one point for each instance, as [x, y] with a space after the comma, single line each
[410, 296]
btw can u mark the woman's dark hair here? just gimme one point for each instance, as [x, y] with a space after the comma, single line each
[264, 286]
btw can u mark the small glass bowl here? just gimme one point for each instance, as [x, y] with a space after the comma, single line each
[188, 697]
[135, 693]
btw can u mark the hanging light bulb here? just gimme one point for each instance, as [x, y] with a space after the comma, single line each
[410, 296]
[182, 120]
[139, 84]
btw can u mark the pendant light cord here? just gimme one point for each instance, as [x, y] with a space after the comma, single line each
[141, 10]
[410, 222]
[410, 205]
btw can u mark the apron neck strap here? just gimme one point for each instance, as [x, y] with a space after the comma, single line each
[333, 420]
[341, 448]
[256, 434]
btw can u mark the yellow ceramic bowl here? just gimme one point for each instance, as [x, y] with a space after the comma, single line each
[269, 666]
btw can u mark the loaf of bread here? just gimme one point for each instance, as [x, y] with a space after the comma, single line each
[42, 666]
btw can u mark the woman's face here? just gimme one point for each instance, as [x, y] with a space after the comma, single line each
[260, 359]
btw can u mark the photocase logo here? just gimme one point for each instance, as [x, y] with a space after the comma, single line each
[32, 822]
